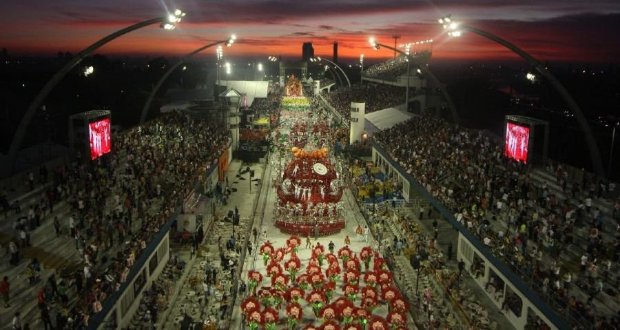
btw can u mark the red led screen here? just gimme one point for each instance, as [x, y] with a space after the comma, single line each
[517, 142]
[99, 138]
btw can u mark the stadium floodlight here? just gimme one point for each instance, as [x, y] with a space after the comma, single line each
[455, 34]
[373, 43]
[173, 19]
[361, 68]
[451, 26]
[231, 40]
[219, 52]
[531, 77]
[445, 20]
[88, 71]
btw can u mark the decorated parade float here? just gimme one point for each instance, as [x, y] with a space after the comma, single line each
[308, 195]
[309, 188]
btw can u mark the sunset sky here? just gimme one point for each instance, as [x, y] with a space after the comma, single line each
[554, 30]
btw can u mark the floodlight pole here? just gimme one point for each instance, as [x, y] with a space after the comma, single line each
[611, 150]
[20, 133]
[362, 69]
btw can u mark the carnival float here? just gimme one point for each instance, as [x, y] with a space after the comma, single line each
[308, 186]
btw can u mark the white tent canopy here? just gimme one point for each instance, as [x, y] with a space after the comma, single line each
[386, 118]
[251, 89]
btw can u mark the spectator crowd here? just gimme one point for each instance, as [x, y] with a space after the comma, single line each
[117, 205]
[388, 69]
[376, 97]
[560, 242]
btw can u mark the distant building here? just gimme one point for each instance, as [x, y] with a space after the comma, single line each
[335, 52]
[307, 51]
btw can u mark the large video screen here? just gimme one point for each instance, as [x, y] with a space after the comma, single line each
[517, 142]
[99, 138]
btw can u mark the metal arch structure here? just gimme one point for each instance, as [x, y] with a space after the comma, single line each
[167, 74]
[20, 133]
[595, 154]
[339, 68]
[427, 72]
[334, 73]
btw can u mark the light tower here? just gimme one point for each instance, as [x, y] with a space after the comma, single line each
[396, 37]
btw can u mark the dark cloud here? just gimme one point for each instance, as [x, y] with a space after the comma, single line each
[548, 29]
[284, 11]
[309, 34]
[591, 37]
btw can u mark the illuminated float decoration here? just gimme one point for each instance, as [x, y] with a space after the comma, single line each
[309, 194]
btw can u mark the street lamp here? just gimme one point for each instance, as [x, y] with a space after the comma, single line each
[455, 117]
[220, 54]
[89, 70]
[611, 148]
[362, 67]
[231, 40]
[319, 59]
[279, 69]
[530, 76]
[173, 20]
[147, 104]
[166, 22]
[455, 29]
[412, 45]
